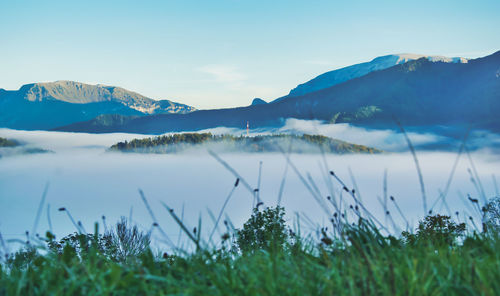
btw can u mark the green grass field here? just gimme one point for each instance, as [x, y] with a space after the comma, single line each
[266, 257]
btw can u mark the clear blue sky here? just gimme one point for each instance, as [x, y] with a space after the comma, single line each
[224, 53]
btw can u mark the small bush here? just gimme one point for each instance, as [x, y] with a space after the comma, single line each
[128, 242]
[22, 258]
[437, 230]
[81, 243]
[119, 244]
[491, 215]
[265, 230]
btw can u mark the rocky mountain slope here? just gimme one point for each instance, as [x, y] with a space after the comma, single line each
[52, 104]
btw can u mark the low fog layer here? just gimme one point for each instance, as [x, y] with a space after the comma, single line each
[386, 139]
[91, 182]
[61, 141]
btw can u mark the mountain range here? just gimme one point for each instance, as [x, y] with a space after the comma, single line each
[53, 104]
[420, 92]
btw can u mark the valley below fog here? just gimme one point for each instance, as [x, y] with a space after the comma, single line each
[90, 182]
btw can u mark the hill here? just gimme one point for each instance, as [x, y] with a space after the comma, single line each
[9, 147]
[52, 104]
[228, 143]
[8, 143]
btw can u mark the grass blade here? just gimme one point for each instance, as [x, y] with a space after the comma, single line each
[417, 165]
[181, 224]
[40, 207]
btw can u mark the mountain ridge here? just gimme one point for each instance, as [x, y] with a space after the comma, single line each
[337, 76]
[419, 92]
[47, 105]
[82, 93]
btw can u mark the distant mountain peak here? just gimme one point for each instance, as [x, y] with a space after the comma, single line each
[338, 76]
[82, 93]
[50, 104]
[258, 101]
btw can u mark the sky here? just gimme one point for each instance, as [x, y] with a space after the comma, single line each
[215, 54]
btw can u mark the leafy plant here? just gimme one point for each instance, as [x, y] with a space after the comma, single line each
[22, 258]
[82, 243]
[265, 230]
[436, 230]
[128, 242]
[491, 215]
[120, 244]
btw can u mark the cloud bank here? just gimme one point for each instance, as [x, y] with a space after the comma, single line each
[91, 182]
